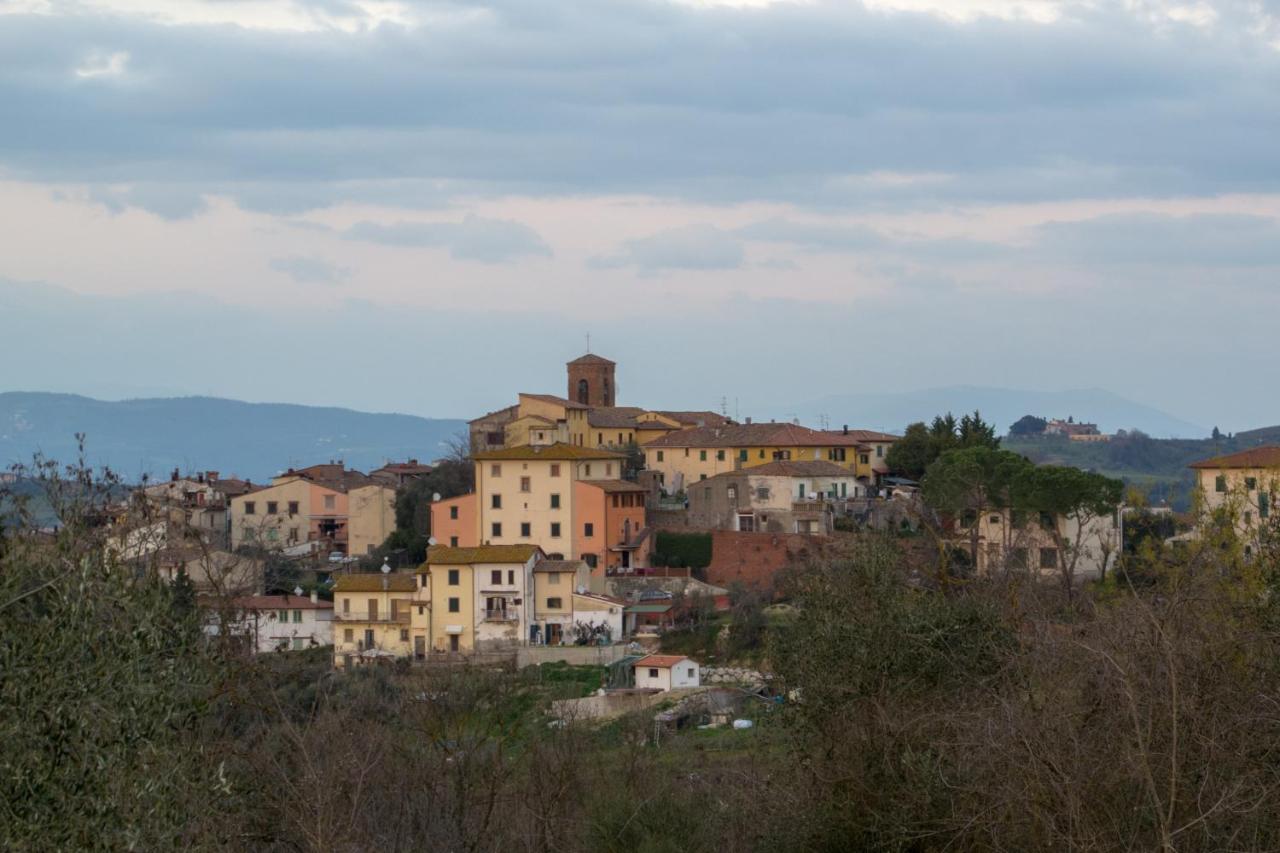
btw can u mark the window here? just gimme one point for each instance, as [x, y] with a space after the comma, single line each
[995, 519]
[1248, 518]
[591, 560]
[250, 508]
[273, 508]
[293, 507]
[720, 455]
[553, 578]
[555, 501]
[455, 605]
[702, 456]
[526, 484]
[282, 615]
[864, 458]
[801, 485]
[555, 529]
[346, 605]
[348, 635]
[297, 616]
[608, 469]
[495, 470]
[453, 513]
[526, 529]
[762, 493]
[1017, 558]
[588, 529]
[879, 451]
[586, 470]
[495, 501]
[761, 454]
[330, 501]
[599, 438]
[1251, 483]
[1048, 558]
[653, 672]
[1220, 483]
[453, 541]
[555, 469]
[453, 577]
[495, 577]
[689, 672]
[1264, 505]
[404, 635]
[659, 455]
[511, 577]
[496, 529]
[742, 456]
[554, 603]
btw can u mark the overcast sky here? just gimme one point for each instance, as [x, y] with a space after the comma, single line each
[426, 206]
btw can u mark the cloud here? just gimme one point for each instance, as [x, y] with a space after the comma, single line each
[813, 237]
[307, 270]
[168, 201]
[1202, 240]
[689, 247]
[99, 64]
[825, 104]
[475, 238]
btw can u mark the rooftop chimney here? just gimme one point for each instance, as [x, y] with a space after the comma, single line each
[846, 429]
[315, 597]
[748, 421]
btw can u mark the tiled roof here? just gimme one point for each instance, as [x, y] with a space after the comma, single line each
[281, 602]
[507, 413]
[696, 418]
[410, 467]
[613, 417]
[661, 661]
[373, 582]
[799, 468]
[444, 556]
[1254, 457]
[612, 486]
[552, 398]
[745, 435]
[558, 565]
[591, 358]
[862, 436]
[559, 450]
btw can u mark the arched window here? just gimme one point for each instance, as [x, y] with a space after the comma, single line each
[583, 392]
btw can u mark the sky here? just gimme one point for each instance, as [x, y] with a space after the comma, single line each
[427, 206]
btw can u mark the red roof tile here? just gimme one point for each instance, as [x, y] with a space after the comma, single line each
[1255, 457]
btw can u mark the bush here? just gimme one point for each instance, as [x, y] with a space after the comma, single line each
[680, 550]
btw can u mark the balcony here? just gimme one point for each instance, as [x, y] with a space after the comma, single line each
[373, 617]
[510, 614]
[810, 506]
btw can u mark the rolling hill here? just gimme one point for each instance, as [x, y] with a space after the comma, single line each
[254, 440]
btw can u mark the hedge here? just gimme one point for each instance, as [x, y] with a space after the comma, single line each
[682, 550]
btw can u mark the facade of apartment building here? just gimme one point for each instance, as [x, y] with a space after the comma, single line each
[479, 598]
[609, 527]
[1026, 542]
[372, 616]
[295, 510]
[276, 623]
[1242, 485]
[554, 585]
[780, 497]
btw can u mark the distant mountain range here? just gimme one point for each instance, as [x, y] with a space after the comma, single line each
[893, 411]
[253, 440]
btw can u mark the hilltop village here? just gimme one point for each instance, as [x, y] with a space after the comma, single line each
[572, 528]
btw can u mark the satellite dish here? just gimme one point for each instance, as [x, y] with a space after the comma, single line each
[435, 496]
[297, 590]
[431, 540]
[386, 567]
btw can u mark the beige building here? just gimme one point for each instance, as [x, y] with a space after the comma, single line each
[554, 584]
[1014, 541]
[351, 519]
[371, 517]
[480, 598]
[1243, 486]
[526, 496]
[780, 497]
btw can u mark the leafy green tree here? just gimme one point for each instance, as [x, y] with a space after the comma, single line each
[966, 483]
[449, 479]
[1028, 425]
[920, 445]
[910, 455]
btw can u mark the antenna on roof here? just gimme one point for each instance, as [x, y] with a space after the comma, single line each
[435, 496]
[386, 566]
[431, 540]
[297, 590]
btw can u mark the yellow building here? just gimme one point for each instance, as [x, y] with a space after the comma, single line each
[372, 617]
[536, 430]
[280, 515]
[481, 598]
[371, 517]
[1243, 485]
[554, 585]
[569, 417]
[690, 455]
[526, 496]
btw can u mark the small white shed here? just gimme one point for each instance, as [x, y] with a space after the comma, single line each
[667, 672]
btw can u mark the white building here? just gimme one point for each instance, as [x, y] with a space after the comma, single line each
[271, 623]
[667, 672]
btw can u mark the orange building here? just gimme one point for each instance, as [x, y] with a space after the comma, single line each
[611, 536]
[454, 523]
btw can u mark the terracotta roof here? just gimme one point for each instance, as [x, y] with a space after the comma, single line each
[661, 661]
[410, 467]
[1254, 457]
[552, 398]
[745, 435]
[444, 556]
[372, 582]
[281, 602]
[509, 412]
[560, 450]
[696, 418]
[861, 436]
[612, 417]
[798, 468]
[558, 565]
[591, 358]
[612, 486]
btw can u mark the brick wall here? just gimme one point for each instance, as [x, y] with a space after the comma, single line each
[753, 559]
